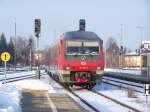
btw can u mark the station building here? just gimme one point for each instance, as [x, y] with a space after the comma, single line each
[139, 60]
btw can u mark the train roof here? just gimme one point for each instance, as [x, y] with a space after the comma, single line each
[81, 35]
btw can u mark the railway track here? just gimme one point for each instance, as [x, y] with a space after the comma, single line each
[116, 101]
[77, 96]
[123, 84]
[17, 78]
[73, 92]
[128, 77]
[131, 109]
[8, 80]
[83, 100]
[10, 72]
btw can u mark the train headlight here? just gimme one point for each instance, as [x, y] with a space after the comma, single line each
[98, 68]
[100, 72]
[67, 68]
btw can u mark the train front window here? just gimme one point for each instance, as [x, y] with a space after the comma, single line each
[90, 48]
[73, 47]
[82, 47]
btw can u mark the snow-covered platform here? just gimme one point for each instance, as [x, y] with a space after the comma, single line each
[35, 101]
[45, 96]
[42, 101]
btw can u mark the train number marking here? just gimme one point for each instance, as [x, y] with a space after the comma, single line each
[83, 63]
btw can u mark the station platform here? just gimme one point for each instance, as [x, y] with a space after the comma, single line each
[42, 101]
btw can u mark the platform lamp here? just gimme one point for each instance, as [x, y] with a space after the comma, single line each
[37, 32]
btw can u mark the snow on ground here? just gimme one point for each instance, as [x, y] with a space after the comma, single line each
[9, 98]
[11, 94]
[101, 103]
[129, 71]
[138, 100]
[32, 84]
[46, 83]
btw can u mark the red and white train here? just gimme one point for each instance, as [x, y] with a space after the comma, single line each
[77, 58]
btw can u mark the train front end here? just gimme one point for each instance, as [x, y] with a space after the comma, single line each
[83, 59]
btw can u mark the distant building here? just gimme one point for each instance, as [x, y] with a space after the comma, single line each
[139, 59]
[134, 60]
[131, 60]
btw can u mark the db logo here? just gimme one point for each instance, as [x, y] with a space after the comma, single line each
[83, 63]
[83, 58]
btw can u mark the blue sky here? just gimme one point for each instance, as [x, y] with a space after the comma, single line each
[57, 16]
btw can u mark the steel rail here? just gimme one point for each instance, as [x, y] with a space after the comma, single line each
[116, 101]
[84, 101]
[21, 78]
[121, 86]
[100, 94]
[13, 79]
[129, 77]
[112, 99]
[119, 81]
[74, 94]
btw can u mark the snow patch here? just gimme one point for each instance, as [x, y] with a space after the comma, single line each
[33, 84]
[9, 98]
[128, 71]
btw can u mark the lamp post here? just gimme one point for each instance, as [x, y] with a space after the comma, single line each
[37, 34]
[141, 28]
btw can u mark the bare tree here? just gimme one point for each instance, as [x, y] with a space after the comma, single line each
[23, 50]
[112, 53]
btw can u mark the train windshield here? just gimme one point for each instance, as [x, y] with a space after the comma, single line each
[82, 47]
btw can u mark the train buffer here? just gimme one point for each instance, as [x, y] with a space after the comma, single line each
[42, 101]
